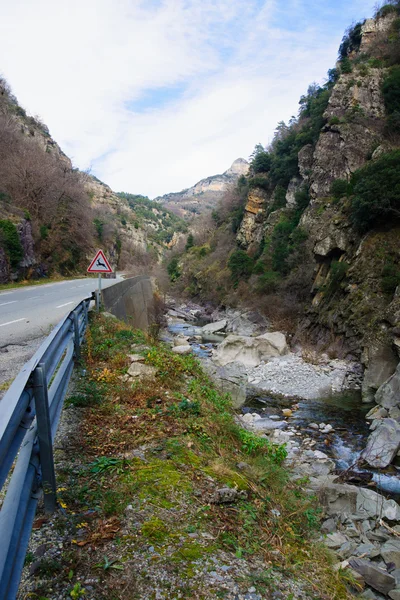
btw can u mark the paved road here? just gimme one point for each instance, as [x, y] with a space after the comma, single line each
[28, 314]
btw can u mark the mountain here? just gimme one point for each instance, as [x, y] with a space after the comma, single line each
[53, 217]
[312, 235]
[206, 193]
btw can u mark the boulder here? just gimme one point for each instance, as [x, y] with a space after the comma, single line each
[186, 349]
[335, 540]
[383, 443]
[215, 327]
[371, 504]
[137, 369]
[377, 412]
[395, 594]
[231, 379]
[250, 351]
[390, 552]
[181, 340]
[339, 498]
[382, 364]
[388, 395]
[377, 578]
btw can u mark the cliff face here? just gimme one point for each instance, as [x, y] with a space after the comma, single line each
[352, 313]
[205, 194]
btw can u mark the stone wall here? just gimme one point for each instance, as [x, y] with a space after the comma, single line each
[131, 301]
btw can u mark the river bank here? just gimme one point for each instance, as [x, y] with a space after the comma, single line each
[312, 404]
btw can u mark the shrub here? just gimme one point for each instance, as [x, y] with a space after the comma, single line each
[261, 162]
[345, 65]
[390, 278]
[173, 269]
[339, 188]
[351, 41]
[386, 9]
[376, 192]
[338, 273]
[189, 242]
[99, 226]
[44, 232]
[391, 96]
[240, 265]
[9, 239]
[268, 282]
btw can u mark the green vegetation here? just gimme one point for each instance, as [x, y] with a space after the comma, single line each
[10, 241]
[375, 192]
[390, 278]
[351, 42]
[173, 269]
[339, 188]
[148, 468]
[338, 272]
[189, 242]
[391, 95]
[146, 210]
[240, 265]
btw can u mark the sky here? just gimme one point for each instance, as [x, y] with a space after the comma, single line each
[152, 96]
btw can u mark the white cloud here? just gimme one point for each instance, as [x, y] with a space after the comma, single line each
[80, 65]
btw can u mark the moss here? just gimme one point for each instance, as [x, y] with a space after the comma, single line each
[155, 530]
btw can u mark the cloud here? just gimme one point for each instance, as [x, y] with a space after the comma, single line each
[156, 95]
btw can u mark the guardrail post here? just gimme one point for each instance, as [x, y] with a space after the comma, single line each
[77, 346]
[44, 436]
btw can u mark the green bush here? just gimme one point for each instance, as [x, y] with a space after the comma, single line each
[189, 242]
[268, 282]
[339, 188]
[351, 41]
[391, 96]
[376, 192]
[99, 226]
[338, 273]
[9, 239]
[173, 269]
[390, 278]
[240, 265]
[44, 232]
[345, 65]
[261, 160]
[387, 9]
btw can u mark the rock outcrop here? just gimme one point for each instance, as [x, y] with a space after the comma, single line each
[205, 194]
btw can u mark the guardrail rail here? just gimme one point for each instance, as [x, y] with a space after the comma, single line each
[29, 416]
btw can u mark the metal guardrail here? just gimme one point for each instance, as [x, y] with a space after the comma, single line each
[29, 415]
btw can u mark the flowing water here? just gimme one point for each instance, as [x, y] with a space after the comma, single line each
[345, 412]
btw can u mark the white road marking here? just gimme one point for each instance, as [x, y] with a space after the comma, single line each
[5, 293]
[11, 322]
[12, 302]
[33, 297]
[66, 304]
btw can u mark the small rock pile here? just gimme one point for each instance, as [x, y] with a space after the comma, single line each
[361, 526]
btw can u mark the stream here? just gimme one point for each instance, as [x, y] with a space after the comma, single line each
[344, 412]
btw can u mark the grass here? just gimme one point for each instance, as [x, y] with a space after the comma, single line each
[145, 465]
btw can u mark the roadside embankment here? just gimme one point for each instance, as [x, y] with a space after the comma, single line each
[164, 495]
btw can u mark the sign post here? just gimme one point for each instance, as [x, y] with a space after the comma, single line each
[99, 265]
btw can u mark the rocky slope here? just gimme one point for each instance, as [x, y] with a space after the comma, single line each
[205, 194]
[53, 216]
[317, 232]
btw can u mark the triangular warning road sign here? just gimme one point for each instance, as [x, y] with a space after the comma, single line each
[100, 264]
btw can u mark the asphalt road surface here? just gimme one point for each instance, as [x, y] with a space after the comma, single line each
[27, 315]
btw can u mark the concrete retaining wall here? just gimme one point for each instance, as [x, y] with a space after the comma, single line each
[131, 301]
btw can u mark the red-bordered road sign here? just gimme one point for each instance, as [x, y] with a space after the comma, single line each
[100, 264]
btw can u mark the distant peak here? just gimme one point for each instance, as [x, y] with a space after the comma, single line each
[240, 166]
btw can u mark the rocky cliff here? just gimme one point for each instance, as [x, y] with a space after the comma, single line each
[317, 229]
[206, 193]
